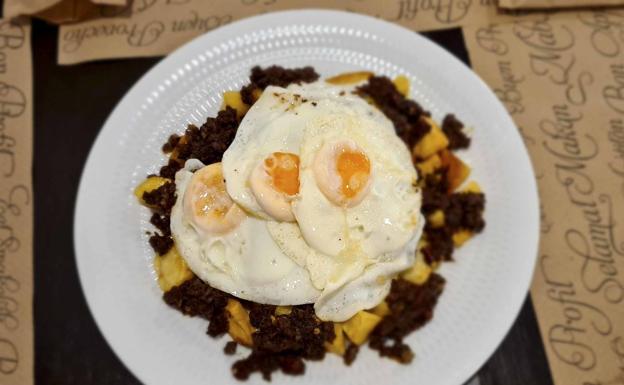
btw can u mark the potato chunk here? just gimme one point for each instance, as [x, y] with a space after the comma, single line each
[349, 78]
[171, 269]
[434, 141]
[472, 187]
[337, 346]
[460, 237]
[360, 326]
[419, 273]
[239, 326]
[458, 171]
[149, 184]
[429, 165]
[234, 100]
[436, 220]
[402, 85]
[381, 310]
[283, 310]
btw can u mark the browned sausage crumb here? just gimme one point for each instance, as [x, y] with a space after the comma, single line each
[453, 129]
[162, 199]
[439, 245]
[435, 192]
[196, 298]
[350, 354]
[406, 115]
[465, 211]
[161, 243]
[261, 78]
[411, 307]
[171, 143]
[169, 170]
[208, 142]
[161, 222]
[230, 348]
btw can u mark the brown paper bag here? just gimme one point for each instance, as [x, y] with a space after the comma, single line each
[537, 4]
[562, 80]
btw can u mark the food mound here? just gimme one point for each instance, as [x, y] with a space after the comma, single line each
[309, 216]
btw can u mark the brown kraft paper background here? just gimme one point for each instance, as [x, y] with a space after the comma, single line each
[535, 4]
[16, 221]
[562, 80]
[61, 11]
[156, 27]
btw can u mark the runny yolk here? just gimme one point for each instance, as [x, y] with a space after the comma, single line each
[283, 168]
[354, 170]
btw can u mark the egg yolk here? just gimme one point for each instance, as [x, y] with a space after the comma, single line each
[273, 181]
[354, 170]
[343, 172]
[208, 204]
[283, 168]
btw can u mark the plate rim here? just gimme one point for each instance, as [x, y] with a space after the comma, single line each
[145, 83]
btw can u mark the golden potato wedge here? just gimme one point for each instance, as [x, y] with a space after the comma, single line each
[429, 165]
[381, 310]
[149, 184]
[458, 171]
[402, 85]
[472, 187]
[171, 269]
[349, 78]
[461, 237]
[337, 346]
[239, 326]
[435, 141]
[283, 310]
[436, 220]
[358, 327]
[234, 100]
[419, 273]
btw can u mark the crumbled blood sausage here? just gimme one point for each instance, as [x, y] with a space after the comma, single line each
[453, 129]
[208, 142]
[230, 348]
[407, 115]
[161, 243]
[197, 299]
[171, 143]
[283, 341]
[162, 199]
[411, 307]
[261, 78]
[161, 222]
[350, 354]
[465, 212]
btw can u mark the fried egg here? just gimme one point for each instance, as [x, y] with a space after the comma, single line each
[229, 249]
[336, 187]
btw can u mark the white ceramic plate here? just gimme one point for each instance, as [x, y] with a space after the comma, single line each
[485, 288]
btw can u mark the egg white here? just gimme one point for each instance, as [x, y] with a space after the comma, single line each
[244, 262]
[389, 214]
[345, 288]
